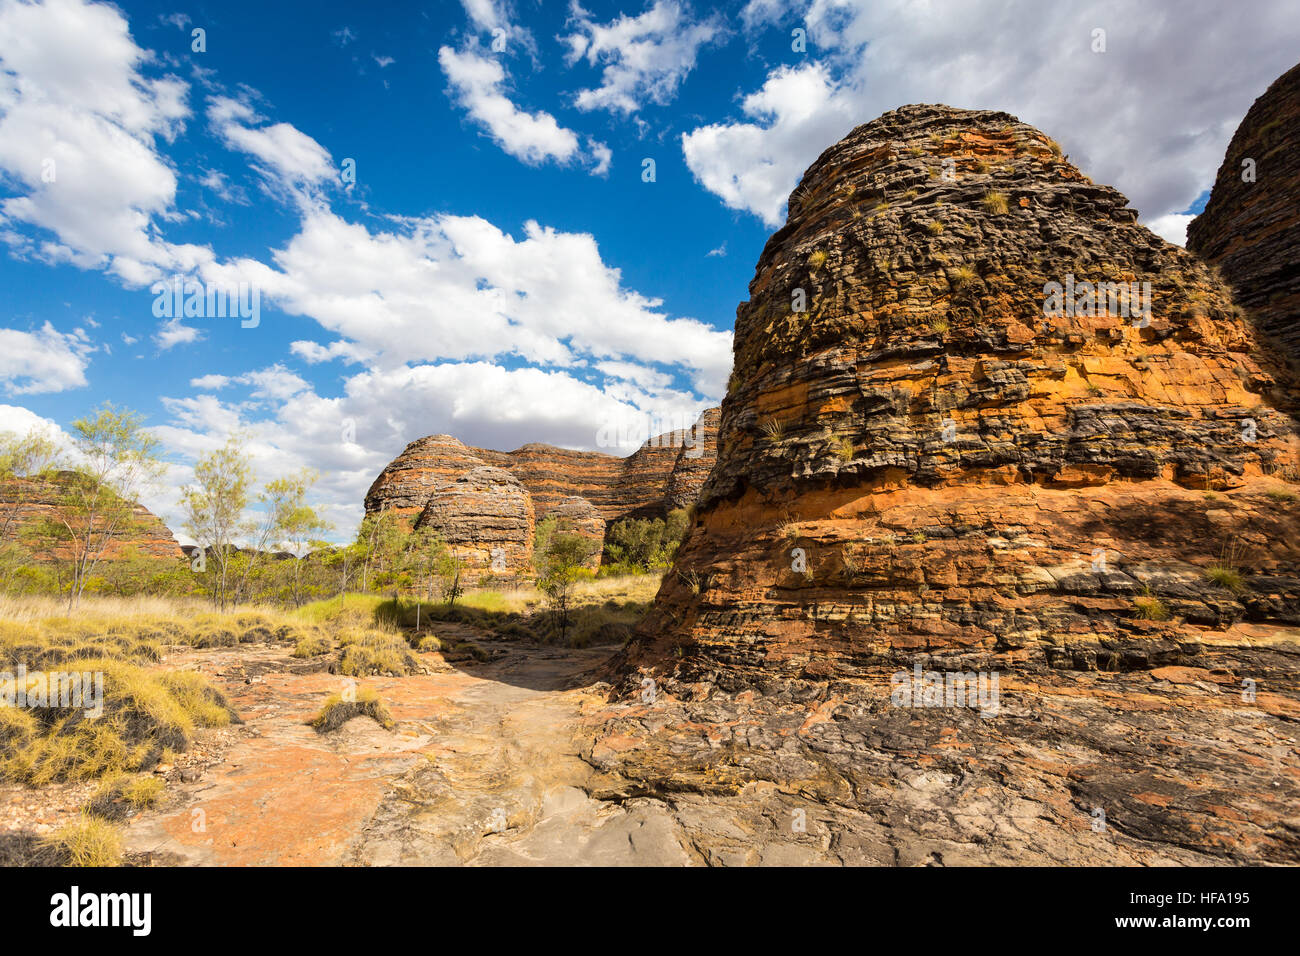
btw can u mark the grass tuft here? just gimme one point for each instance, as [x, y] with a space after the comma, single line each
[337, 711]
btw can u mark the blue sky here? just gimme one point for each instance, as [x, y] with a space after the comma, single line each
[500, 270]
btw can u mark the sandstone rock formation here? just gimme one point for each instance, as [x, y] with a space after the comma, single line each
[588, 489]
[405, 484]
[579, 516]
[914, 458]
[691, 470]
[486, 518]
[25, 502]
[924, 482]
[1251, 225]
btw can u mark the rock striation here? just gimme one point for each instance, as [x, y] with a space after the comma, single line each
[486, 518]
[586, 489]
[1251, 225]
[25, 502]
[978, 410]
[927, 484]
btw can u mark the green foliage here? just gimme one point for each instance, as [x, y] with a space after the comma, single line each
[561, 560]
[94, 501]
[646, 544]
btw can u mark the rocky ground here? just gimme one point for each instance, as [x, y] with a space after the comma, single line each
[528, 759]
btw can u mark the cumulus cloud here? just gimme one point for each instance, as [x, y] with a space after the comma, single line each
[19, 420]
[79, 126]
[459, 288]
[645, 57]
[1136, 116]
[754, 165]
[43, 361]
[174, 332]
[287, 158]
[478, 83]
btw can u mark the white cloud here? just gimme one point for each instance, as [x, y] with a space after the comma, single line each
[1134, 116]
[645, 57]
[173, 332]
[478, 83]
[23, 421]
[43, 361]
[1172, 228]
[209, 383]
[286, 157]
[754, 165]
[458, 288]
[78, 125]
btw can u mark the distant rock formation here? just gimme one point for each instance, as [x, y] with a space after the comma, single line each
[25, 502]
[579, 516]
[585, 491]
[976, 408]
[1251, 225]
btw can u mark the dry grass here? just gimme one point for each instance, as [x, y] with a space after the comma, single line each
[118, 796]
[89, 841]
[1151, 608]
[369, 651]
[118, 644]
[773, 428]
[1226, 572]
[338, 710]
[964, 275]
[996, 203]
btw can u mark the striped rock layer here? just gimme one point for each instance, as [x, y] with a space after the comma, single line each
[24, 503]
[584, 490]
[1251, 225]
[915, 457]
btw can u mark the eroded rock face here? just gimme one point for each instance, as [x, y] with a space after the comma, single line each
[486, 518]
[924, 462]
[25, 502]
[666, 472]
[405, 485]
[579, 516]
[694, 463]
[1251, 226]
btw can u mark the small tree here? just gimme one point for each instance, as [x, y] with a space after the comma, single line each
[115, 461]
[294, 522]
[345, 561]
[381, 540]
[561, 559]
[214, 511]
[26, 464]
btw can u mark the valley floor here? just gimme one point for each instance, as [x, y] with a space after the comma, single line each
[522, 759]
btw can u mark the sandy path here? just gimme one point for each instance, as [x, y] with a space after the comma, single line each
[482, 768]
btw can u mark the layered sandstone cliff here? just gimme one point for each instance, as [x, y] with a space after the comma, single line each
[1251, 225]
[486, 517]
[944, 435]
[585, 491]
[25, 503]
